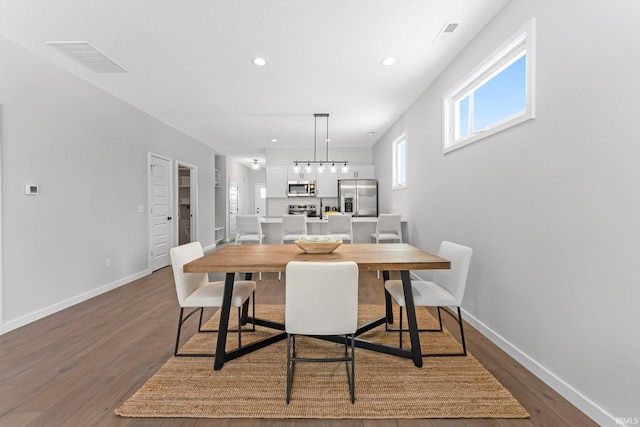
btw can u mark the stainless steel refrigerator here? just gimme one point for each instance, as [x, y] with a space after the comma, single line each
[358, 196]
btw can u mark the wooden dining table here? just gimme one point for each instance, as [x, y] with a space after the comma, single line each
[385, 257]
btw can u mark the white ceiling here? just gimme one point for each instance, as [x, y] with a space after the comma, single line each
[189, 61]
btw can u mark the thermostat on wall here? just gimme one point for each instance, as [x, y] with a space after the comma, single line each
[31, 189]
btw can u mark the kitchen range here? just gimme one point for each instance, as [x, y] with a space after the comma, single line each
[308, 210]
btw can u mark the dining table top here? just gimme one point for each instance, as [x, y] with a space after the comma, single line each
[274, 258]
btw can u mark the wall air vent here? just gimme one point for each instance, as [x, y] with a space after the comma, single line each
[446, 32]
[88, 56]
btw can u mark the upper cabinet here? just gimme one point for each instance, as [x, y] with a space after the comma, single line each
[302, 175]
[358, 172]
[277, 177]
[327, 184]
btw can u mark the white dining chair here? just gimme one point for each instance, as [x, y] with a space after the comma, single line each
[249, 230]
[195, 291]
[446, 290]
[321, 299]
[340, 227]
[293, 228]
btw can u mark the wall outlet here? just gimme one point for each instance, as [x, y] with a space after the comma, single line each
[107, 263]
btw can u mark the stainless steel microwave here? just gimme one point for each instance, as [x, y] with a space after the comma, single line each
[302, 189]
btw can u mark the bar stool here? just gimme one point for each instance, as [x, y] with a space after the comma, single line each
[339, 226]
[293, 228]
[388, 229]
[249, 230]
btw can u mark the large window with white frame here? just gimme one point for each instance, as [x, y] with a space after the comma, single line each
[497, 95]
[399, 156]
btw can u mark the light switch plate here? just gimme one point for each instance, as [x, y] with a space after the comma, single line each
[31, 190]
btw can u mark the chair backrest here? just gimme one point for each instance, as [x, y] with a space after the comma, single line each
[389, 223]
[321, 298]
[294, 224]
[339, 224]
[186, 283]
[248, 224]
[454, 280]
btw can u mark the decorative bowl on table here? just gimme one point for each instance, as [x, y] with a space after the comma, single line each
[318, 244]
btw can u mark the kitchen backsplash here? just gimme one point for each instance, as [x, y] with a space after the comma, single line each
[280, 206]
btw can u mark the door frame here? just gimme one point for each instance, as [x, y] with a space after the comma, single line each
[193, 195]
[256, 196]
[172, 184]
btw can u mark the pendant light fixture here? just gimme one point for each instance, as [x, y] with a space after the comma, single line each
[322, 164]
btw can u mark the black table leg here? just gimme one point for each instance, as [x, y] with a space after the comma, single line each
[411, 318]
[387, 299]
[225, 310]
[245, 306]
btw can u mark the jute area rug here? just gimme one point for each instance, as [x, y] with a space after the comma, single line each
[387, 387]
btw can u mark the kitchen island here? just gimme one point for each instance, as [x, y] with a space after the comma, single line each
[362, 228]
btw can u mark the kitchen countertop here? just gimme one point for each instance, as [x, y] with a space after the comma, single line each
[278, 219]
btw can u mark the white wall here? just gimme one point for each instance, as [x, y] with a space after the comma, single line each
[551, 207]
[88, 152]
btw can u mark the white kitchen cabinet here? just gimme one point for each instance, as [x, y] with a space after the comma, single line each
[327, 184]
[302, 175]
[358, 172]
[277, 181]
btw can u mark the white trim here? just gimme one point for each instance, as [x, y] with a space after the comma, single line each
[54, 308]
[582, 402]
[489, 67]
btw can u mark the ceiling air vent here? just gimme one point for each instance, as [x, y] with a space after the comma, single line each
[88, 56]
[446, 31]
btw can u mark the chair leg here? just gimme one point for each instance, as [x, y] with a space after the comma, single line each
[459, 321]
[181, 321]
[175, 352]
[400, 330]
[352, 377]
[239, 327]
[289, 368]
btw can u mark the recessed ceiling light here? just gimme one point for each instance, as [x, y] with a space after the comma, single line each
[371, 133]
[260, 62]
[388, 61]
[274, 140]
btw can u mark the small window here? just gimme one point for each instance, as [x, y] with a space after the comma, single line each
[497, 95]
[399, 156]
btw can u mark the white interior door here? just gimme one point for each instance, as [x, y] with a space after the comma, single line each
[160, 211]
[233, 208]
[260, 196]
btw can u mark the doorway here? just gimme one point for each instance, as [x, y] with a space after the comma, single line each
[260, 199]
[186, 209]
[233, 209]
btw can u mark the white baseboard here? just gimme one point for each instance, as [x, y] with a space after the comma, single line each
[54, 308]
[209, 248]
[590, 408]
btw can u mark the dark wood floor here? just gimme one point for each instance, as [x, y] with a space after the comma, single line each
[75, 367]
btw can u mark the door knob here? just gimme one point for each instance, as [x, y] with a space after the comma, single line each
[169, 218]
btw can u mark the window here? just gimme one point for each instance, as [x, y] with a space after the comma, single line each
[400, 161]
[498, 94]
